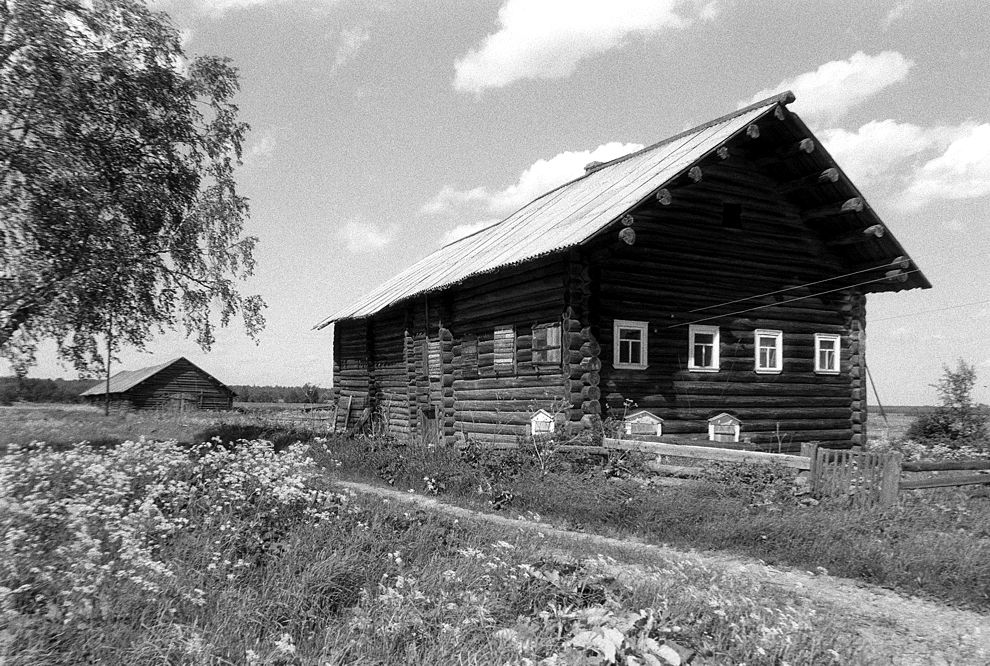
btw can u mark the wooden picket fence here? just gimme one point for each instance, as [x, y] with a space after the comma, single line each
[867, 478]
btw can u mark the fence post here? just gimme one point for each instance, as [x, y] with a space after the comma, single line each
[890, 478]
[810, 450]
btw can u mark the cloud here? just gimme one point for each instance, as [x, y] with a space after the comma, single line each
[540, 177]
[351, 41]
[462, 230]
[961, 172]
[827, 94]
[362, 237]
[869, 155]
[914, 165]
[547, 39]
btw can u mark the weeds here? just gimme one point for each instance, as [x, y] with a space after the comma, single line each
[150, 552]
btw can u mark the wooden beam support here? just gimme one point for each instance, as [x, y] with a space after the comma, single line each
[869, 233]
[853, 205]
[784, 153]
[826, 177]
[664, 197]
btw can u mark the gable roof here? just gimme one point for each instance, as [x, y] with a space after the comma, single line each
[568, 215]
[125, 380]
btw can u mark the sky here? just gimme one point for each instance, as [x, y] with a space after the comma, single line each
[382, 129]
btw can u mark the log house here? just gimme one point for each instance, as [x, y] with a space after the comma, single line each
[722, 271]
[177, 385]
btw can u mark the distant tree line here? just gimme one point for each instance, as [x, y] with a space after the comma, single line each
[304, 393]
[27, 389]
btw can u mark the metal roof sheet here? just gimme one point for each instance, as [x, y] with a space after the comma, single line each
[562, 218]
[128, 379]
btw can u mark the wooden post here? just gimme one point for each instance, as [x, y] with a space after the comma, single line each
[890, 478]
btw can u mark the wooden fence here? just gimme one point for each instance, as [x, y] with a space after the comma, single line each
[867, 478]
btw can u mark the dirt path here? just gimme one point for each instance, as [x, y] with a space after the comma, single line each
[902, 630]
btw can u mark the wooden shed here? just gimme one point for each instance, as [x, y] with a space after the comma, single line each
[722, 271]
[176, 385]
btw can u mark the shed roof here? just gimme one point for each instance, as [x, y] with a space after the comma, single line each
[563, 217]
[125, 380]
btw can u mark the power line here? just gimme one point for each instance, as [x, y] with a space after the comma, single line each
[789, 300]
[921, 312]
[799, 286]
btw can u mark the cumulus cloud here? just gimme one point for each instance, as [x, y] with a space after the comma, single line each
[541, 176]
[961, 172]
[915, 165]
[361, 237]
[828, 93]
[547, 39]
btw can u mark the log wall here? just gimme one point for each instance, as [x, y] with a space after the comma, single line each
[179, 386]
[685, 267]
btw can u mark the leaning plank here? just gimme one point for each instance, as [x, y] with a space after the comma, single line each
[707, 453]
[946, 481]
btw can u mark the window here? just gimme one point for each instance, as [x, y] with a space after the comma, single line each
[546, 344]
[629, 344]
[769, 351]
[433, 359]
[827, 353]
[469, 357]
[703, 348]
[505, 349]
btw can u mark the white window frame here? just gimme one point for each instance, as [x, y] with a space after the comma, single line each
[836, 340]
[693, 331]
[643, 328]
[778, 337]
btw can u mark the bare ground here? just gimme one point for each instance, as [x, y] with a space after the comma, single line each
[897, 629]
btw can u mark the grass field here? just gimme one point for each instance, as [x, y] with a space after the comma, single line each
[155, 552]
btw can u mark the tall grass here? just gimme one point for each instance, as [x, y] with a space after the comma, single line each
[934, 542]
[163, 554]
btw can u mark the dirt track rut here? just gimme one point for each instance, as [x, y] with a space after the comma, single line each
[900, 630]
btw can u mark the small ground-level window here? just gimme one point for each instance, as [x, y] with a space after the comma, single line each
[827, 353]
[546, 343]
[505, 349]
[769, 350]
[469, 357]
[703, 348]
[629, 344]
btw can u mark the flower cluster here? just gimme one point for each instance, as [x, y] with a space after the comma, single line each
[82, 522]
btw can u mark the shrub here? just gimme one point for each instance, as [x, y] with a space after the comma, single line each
[958, 420]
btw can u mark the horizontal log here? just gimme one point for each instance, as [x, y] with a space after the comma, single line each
[708, 453]
[508, 430]
[944, 465]
[826, 177]
[496, 395]
[591, 406]
[946, 482]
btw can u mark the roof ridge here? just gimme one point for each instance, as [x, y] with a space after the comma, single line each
[783, 98]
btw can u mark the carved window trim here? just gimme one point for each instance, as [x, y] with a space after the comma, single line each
[697, 341]
[625, 345]
[768, 351]
[825, 342]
